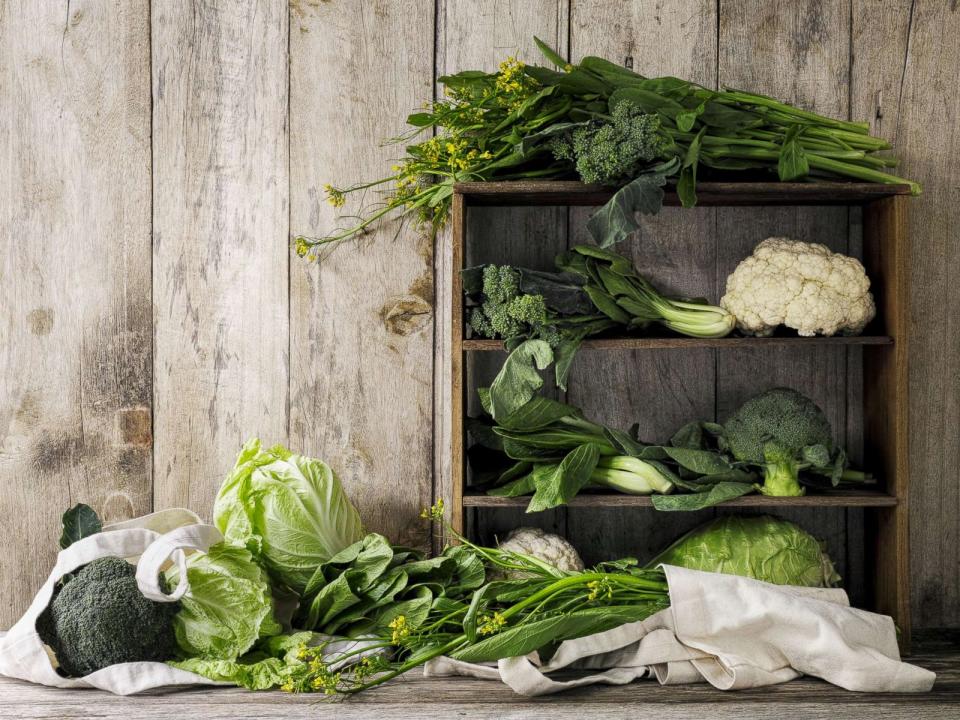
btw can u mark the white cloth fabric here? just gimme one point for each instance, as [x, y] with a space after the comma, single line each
[22, 652]
[730, 631]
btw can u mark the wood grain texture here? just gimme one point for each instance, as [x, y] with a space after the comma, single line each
[479, 34]
[220, 240]
[75, 325]
[361, 333]
[904, 77]
[658, 390]
[413, 697]
[797, 51]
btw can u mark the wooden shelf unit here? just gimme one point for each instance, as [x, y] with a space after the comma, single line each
[885, 422]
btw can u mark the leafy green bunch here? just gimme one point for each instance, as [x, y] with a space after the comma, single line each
[606, 124]
[544, 317]
[549, 450]
[497, 619]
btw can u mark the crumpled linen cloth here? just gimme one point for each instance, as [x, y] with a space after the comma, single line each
[732, 632]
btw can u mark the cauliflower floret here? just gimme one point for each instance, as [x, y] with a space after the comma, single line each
[804, 286]
[552, 549]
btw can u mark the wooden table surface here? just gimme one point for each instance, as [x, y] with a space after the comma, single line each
[415, 697]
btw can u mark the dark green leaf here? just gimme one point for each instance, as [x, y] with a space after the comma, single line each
[515, 488]
[616, 220]
[537, 414]
[79, 522]
[792, 163]
[702, 462]
[420, 119]
[687, 185]
[522, 639]
[518, 380]
[549, 53]
[607, 304]
[717, 494]
[566, 480]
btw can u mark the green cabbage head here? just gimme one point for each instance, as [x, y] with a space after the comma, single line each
[761, 547]
[288, 510]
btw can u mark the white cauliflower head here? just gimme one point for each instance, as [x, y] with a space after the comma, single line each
[542, 545]
[805, 286]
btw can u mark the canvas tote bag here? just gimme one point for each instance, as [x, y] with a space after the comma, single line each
[151, 541]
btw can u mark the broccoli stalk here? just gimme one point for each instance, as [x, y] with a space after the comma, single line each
[781, 472]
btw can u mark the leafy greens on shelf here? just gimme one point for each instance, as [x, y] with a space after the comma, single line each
[605, 124]
[544, 317]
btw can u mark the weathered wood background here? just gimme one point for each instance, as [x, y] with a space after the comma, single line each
[157, 158]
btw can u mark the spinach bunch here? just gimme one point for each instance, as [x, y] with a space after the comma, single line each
[366, 587]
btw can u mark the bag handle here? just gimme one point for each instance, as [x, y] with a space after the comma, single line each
[171, 545]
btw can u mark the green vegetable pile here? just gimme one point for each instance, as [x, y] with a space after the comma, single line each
[549, 450]
[544, 317]
[368, 610]
[604, 124]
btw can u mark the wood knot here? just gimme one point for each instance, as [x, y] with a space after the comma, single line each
[40, 321]
[135, 426]
[406, 314]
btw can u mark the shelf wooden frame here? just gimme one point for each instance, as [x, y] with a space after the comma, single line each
[886, 258]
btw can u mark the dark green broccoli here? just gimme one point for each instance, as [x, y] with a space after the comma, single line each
[100, 618]
[507, 312]
[615, 151]
[783, 431]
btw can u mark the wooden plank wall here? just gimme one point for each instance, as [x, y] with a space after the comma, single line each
[157, 157]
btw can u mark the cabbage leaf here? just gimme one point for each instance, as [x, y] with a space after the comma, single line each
[228, 606]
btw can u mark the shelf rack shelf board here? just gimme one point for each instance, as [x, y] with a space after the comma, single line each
[611, 500]
[885, 421]
[681, 343]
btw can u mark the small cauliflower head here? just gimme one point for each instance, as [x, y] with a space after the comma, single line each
[805, 286]
[552, 549]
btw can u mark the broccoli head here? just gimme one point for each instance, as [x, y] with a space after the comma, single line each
[100, 618]
[506, 312]
[614, 151]
[783, 431]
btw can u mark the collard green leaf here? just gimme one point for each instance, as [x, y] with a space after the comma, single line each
[717, 494]
[79, 522]
[566, 480]
[616, 220]
[519, 380]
